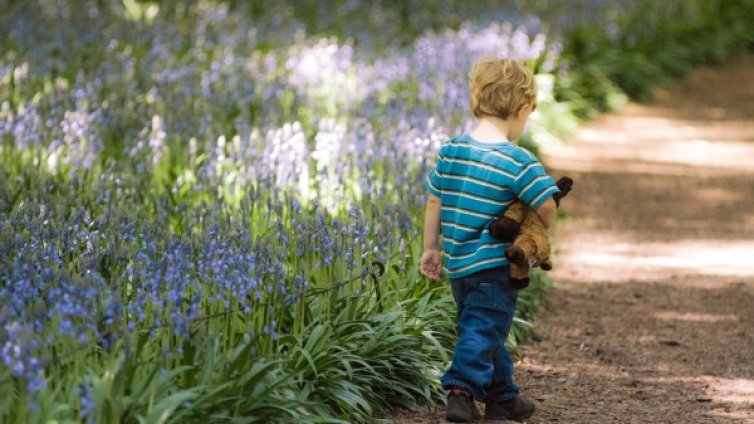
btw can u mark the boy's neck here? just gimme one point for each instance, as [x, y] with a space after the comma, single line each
[492, 130]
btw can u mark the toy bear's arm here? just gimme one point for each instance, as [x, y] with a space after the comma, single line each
[507, 227]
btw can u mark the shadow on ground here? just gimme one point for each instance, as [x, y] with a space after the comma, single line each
[672, 354]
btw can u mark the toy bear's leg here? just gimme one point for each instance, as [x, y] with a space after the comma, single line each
[546, 265]
[524, 248]
[519, 275]
[516, 255]
[543, 252]
[535, 242]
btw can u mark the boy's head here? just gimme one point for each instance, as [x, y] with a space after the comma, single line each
[501, 88]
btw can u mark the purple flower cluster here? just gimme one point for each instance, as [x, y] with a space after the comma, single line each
[84, 392]
[17, 345]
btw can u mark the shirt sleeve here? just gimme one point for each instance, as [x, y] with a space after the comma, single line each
[433, 183]
[533, 185]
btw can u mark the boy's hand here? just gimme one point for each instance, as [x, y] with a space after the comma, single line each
[431, 264]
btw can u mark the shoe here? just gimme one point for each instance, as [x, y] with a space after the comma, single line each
[517, 409]
[461, 408]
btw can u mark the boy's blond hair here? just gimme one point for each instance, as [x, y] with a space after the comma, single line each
[500, 87]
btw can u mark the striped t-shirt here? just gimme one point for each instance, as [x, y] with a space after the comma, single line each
[476, 182]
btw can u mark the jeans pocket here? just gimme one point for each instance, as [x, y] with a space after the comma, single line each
[488, 294]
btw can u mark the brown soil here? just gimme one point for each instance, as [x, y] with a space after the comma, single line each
[652, 320]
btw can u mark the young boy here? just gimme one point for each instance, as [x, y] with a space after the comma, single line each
[476, 177]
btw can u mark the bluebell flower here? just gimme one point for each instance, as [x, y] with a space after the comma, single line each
[84, 391]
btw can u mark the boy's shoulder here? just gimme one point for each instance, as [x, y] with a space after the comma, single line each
[524, 154]
[518, 154]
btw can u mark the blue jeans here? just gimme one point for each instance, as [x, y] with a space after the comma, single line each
[486, 301]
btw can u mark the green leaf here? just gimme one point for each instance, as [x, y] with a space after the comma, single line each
[442, 350]
[163, 410]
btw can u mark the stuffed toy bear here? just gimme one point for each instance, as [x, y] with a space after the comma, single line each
[524, 228]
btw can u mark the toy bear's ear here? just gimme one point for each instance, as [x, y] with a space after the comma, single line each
[564, 185]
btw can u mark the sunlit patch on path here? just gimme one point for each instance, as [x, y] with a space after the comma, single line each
[646, 261]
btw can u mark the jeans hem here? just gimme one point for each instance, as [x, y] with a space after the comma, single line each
[465, 386]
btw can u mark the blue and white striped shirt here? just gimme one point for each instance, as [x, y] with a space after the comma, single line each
[476, 182]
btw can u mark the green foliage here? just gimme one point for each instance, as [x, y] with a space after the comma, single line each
[655, 41]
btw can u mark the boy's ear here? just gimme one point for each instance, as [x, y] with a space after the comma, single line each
[521, 108]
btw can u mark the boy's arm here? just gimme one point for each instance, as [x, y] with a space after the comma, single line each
[546, 212]
[432, 223]
[431, 260]
[535, 188]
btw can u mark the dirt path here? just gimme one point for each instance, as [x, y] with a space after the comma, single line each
[653, 317]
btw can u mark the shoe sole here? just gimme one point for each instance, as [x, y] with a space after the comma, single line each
[518, 418]
[459, 419]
